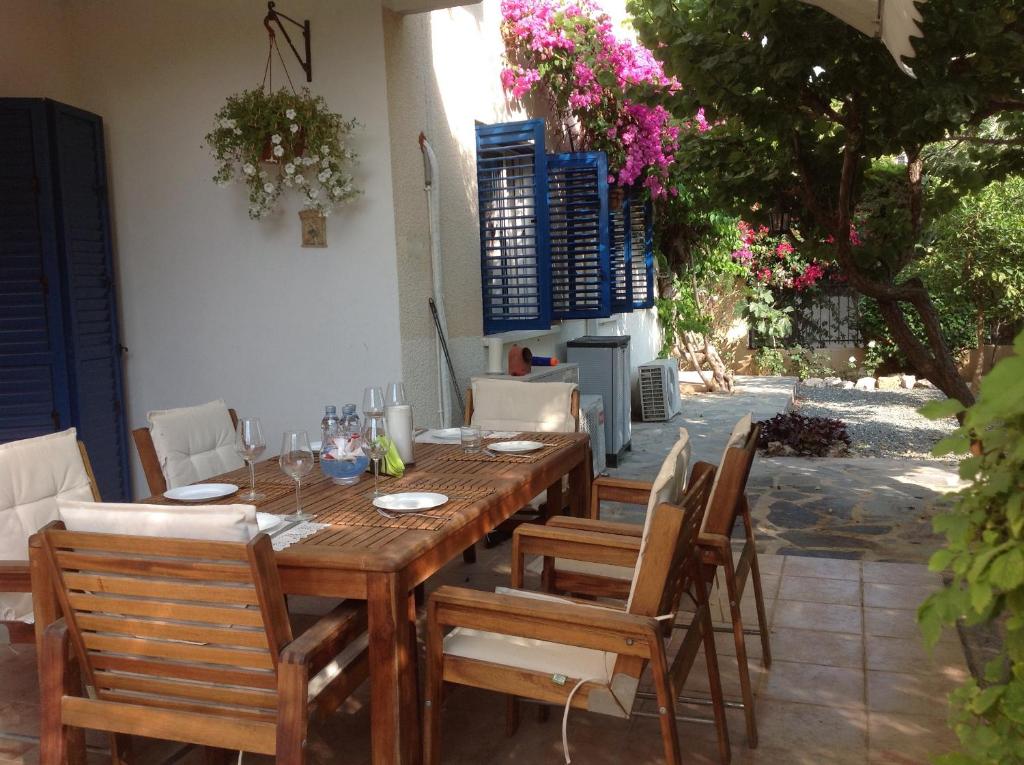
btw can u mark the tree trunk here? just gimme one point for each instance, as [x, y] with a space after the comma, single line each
[689, 345]
[979, 361]
[723, 375]
[935, 362]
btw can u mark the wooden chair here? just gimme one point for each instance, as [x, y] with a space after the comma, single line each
[151, 467]
[36, 472]
[729, 503]
[726, 504]
[522, 406]
[580, 654]
[186, 640]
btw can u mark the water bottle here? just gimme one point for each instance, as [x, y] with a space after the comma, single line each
[330, 429]
[350, 422]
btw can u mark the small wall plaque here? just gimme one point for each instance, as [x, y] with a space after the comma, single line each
[314, 228]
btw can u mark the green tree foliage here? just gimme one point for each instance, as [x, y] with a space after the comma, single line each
[810, 113]
[984, 553]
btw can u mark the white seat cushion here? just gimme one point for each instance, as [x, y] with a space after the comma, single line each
[34, 473]
[667, 487]
[548, 658]
[194, 443]
[518, 405]
[224, 523]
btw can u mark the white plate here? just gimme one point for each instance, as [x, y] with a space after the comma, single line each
[268, 521]
[199, 492]
[410, 501]
[515, 447]
[447, 434]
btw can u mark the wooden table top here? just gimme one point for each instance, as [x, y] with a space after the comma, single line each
[358, 538]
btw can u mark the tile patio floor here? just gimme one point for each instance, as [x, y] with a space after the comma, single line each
[850, 683]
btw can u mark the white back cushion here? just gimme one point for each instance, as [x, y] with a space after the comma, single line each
[666, 488]
[518, 405]
[34, 473]
[194, 442]
[224, 523]
[737, 438]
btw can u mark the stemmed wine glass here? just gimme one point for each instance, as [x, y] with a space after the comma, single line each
[250, 444]
[396, 394]
[296, 460]
[373, 400]
[374, 442]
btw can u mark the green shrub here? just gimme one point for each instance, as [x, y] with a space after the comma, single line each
[770, 361]
[984, 553]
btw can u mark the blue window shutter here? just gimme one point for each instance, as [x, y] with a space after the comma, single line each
[93, 338]
[641, 242]
[33, 378]
[621, 283]
[515, 253]
[578, 215]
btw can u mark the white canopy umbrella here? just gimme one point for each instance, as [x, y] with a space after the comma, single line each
[894, 22]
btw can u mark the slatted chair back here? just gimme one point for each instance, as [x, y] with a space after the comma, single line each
[173, 624]
[669, 554]
[730, 484]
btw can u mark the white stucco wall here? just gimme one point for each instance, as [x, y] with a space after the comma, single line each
[214, 305]
[443, 77]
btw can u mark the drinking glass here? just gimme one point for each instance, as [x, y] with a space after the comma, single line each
[296, 461]
[250, 444]
[472, 439]
[396, 395]
[374, 443]
[373, 400]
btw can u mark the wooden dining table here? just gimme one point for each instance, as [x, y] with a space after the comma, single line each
[362, 554]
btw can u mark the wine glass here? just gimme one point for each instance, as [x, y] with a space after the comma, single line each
[296, 460]
[374, 443]
[373, 400]
[396, 395]
[250, 444]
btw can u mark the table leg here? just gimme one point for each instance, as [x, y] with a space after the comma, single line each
[579, 486]
[394, 713]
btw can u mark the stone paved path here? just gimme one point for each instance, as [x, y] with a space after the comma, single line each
[859, 508]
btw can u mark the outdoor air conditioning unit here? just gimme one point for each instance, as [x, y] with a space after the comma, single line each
[659, 390]
[592, 422]
[604, 371]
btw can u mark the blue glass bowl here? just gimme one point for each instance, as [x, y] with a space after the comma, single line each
[344, 472]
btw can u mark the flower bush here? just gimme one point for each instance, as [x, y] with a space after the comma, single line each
[271, 141]
[774, 262]
[604, 90]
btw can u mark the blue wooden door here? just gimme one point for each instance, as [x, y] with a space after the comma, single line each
[34, 396]
[90, 304]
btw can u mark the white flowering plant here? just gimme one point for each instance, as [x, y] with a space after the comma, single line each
[272, 141]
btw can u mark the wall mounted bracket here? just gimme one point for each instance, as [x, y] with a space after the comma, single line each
[275, 16]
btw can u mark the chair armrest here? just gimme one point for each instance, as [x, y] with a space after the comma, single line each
[576, 544]
[318, 645]
[15, 576]
[591, 524]
[606, 488]
[584, 626]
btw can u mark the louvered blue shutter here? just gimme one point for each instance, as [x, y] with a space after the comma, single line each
[641, 245]
[33, 379]
[621, 281]
[515, 254]
[94, 357]
[578, 216]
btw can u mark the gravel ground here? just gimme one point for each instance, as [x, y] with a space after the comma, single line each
[880, 423]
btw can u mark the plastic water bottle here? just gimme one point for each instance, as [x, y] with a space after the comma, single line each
[330, 428]
[351, 425]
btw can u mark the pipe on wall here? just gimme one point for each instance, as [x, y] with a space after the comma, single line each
[444, 381]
